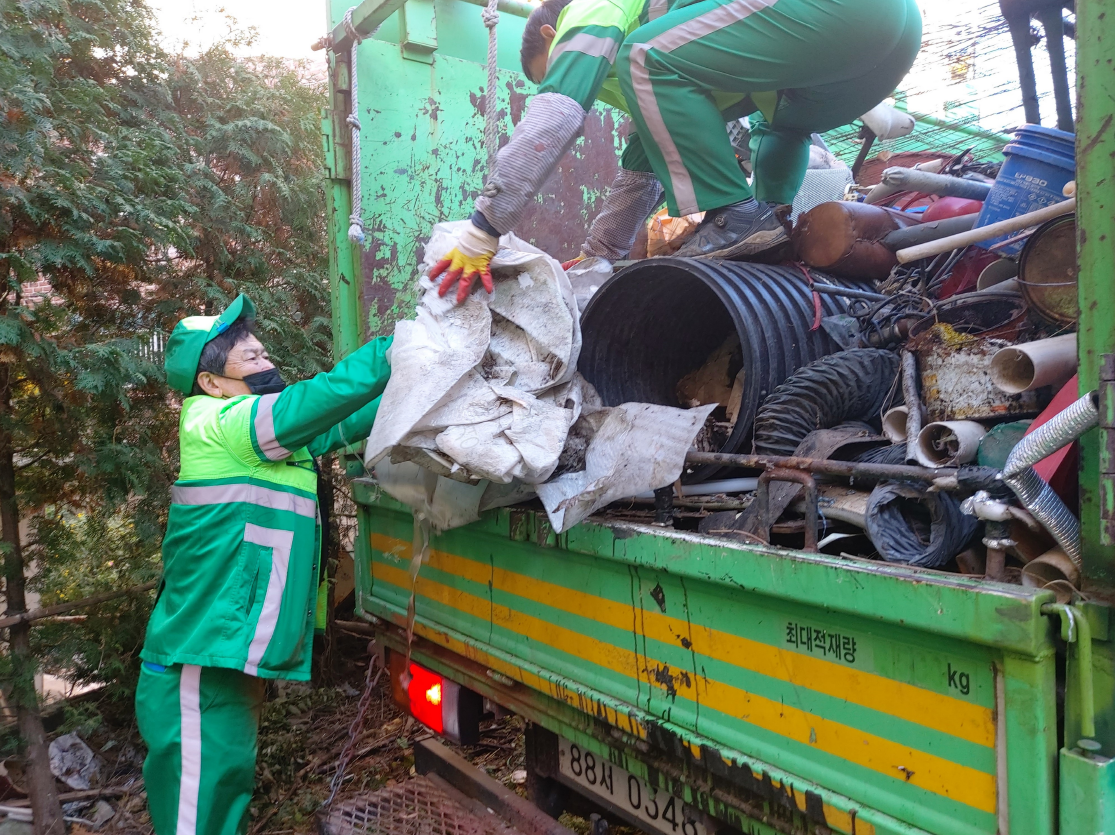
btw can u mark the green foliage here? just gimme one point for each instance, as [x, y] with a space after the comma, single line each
[142, 187]
[84, 555]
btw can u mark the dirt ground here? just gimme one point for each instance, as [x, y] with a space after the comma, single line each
[302, 732]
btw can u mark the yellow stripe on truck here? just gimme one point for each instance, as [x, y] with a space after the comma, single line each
[937, 711]
[927, 771]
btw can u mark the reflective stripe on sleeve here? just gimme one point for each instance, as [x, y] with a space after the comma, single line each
[592, 45]
[206, 494]
[264, 426]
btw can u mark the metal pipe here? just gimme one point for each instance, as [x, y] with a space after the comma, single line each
[913, 404]
[910, 179]
[511, 7]
[923, 233]
[996, 565]
[943, 477]
[1075, 629]
[986, 233]
[1037, 496]
[811, 513]
[849, 293]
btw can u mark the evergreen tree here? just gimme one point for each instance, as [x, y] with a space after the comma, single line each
[136, 187]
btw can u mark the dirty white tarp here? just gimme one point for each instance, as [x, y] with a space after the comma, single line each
[629, 445]
[484, 394]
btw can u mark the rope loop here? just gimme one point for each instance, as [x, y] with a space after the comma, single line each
[350, 30]
[356, 219]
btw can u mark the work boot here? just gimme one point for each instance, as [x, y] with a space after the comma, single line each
[738, 232]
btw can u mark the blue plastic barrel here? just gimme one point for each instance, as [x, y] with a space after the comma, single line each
[1038, 164]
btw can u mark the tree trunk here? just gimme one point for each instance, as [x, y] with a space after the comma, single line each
[45, 807]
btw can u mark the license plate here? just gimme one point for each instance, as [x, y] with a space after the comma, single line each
[653, 808]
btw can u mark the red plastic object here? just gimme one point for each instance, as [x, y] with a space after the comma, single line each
[947, 207]
[966, 272]
[1060, 469]
[425, 692]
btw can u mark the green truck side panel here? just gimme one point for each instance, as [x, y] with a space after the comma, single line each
[422, 159]
[771, 689]
[1095, 177]
[1087, 794]
[896, 707]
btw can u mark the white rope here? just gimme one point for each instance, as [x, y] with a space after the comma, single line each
[491, 112]
[356, 218]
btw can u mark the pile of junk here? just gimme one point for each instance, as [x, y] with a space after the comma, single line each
[901, 386]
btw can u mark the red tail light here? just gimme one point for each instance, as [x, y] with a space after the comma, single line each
[425, 694]
[439, 703]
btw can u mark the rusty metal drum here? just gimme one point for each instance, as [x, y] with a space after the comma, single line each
[1047, 271]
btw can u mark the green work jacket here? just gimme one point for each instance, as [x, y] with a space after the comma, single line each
[243, 540]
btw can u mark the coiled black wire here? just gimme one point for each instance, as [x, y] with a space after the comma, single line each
[906, 524]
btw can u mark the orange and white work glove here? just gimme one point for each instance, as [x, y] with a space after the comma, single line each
[470, 259]
[568, 265]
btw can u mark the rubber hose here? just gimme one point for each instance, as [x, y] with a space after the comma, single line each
[908, 525]
[893, 454]
[1037, 496]
[850, 385]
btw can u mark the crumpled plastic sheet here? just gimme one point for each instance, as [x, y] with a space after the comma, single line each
[73, 762]
[634, 444]
[486, 389]
[483, 395]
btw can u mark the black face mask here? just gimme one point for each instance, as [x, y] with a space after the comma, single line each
[265, 382]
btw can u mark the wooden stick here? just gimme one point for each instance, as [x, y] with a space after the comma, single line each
[60, 608]
[86, 794]
[984, 233]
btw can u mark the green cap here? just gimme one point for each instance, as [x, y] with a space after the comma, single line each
[191, 335]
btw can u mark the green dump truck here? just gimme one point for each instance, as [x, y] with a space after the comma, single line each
[685, 683]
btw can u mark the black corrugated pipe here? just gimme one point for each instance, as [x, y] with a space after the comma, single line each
[850, 385]
[659, 319]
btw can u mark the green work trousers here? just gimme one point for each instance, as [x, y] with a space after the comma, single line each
[818, 64]
[200, 726]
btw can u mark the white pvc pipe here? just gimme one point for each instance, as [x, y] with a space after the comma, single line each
[1051, 567]
[711, 488]
[1031, 365]
[894, 424]
[996, 272]
[986, 233]
[949, 442]
[1011, 285]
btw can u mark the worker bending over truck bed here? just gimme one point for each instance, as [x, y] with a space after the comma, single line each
[240, 582]
[681, 69]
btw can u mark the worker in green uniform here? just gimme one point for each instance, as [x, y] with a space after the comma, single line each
[681, 68]
[237, 600]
